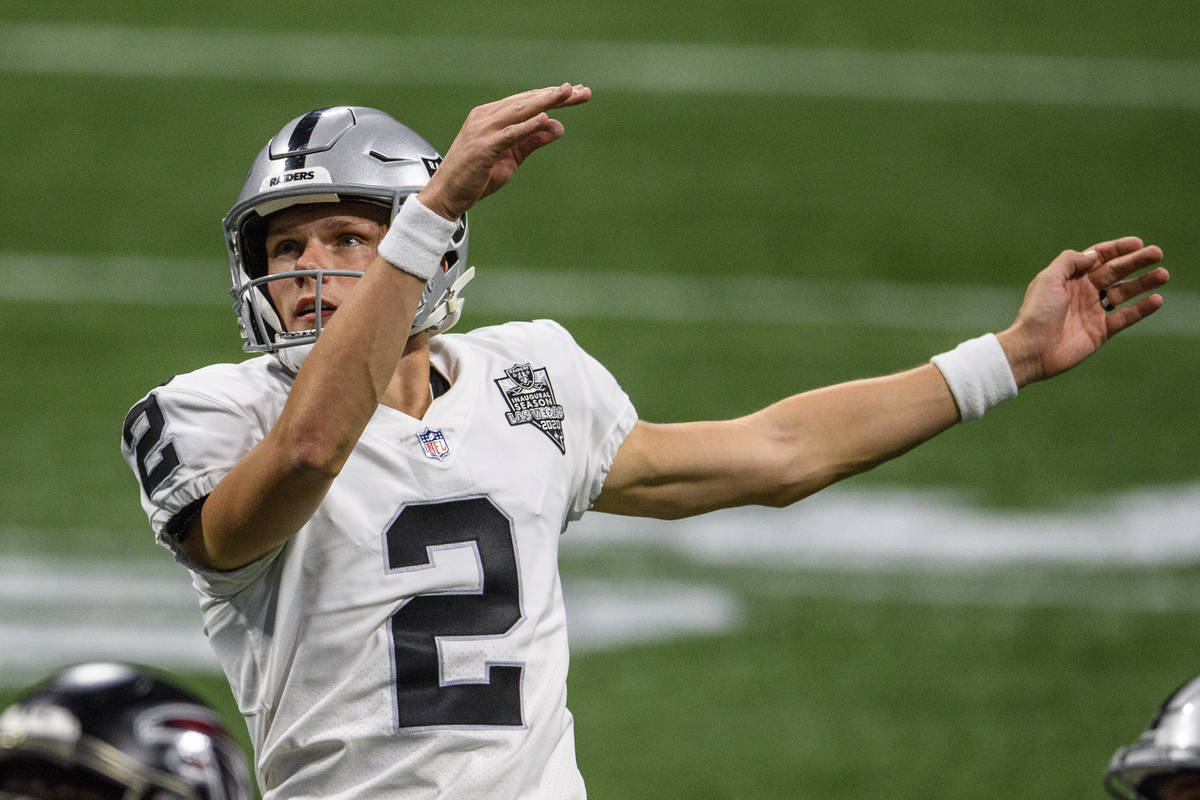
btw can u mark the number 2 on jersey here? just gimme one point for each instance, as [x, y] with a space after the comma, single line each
[422, 700]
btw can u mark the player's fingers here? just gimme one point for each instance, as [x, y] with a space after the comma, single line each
[502, 124]
[538, 138]
[1109, 272]
[1122, 318]
[530, 134]
[1123, 291]
[1117, 247]
[529, 104]
[521, 97]
[1073, 264]
[579, 94]
[562, 96]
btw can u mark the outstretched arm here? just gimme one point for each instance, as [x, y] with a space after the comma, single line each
[804, 443]
[276, 487]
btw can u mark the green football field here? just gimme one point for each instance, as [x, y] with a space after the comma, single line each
[761, 198]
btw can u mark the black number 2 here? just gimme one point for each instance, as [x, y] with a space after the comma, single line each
[422, 699]
[143, 434]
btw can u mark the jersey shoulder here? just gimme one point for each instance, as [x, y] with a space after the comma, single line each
[257, 383]
[544, 337]
[235, 382]
[202, 418]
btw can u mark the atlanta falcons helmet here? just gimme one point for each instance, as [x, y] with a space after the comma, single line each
[326, 156]
[1170, 744]
[107, 731]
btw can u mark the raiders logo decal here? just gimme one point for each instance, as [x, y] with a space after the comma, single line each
[431, 164]
[530, 399]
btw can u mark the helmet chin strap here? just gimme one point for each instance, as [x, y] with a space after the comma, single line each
[293, 357]
[445, 315]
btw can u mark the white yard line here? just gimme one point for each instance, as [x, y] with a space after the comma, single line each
[846, 527]
[53, 612]
[519, 293]
[58, 612]
[115, 51]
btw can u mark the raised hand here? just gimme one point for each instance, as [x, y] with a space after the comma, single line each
[1063, 319]
[492, 143]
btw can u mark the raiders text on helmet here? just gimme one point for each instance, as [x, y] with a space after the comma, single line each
[326, 156]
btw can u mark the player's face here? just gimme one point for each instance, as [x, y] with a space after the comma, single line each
[319, 236]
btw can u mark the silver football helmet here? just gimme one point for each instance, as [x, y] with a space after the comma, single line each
[332, 155]
[1170, 744]
[117, 732]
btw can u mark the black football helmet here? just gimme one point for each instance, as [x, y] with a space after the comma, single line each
[104, 731]
[1169, 745]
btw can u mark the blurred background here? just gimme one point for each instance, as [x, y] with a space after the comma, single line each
[761, 198]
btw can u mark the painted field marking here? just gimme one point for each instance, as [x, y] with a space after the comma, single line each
[58, 612]
[519, 293]
[845, 527]
[871, 542]
[651, 67]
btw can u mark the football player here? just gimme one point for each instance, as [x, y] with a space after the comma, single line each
[1164, 762]
[371, 510]
[107, 731]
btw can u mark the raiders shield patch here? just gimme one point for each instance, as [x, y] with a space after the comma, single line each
[530, 399]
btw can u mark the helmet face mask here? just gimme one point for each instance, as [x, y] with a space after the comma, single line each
[1169, 745]
[332, 155]
[114, 731]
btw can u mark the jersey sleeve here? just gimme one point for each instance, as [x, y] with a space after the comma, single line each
[608, 417]
[180, 440]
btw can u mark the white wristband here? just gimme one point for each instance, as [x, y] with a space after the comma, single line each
[978, 374]
[417, 239]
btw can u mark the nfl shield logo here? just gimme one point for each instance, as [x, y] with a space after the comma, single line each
[434, 444]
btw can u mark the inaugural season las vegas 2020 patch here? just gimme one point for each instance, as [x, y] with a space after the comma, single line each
[530, 399]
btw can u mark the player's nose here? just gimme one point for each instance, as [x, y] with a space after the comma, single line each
[314, 257]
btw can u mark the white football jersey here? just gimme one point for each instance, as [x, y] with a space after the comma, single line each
[410, 641]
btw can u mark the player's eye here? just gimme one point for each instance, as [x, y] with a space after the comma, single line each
[283, 248]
